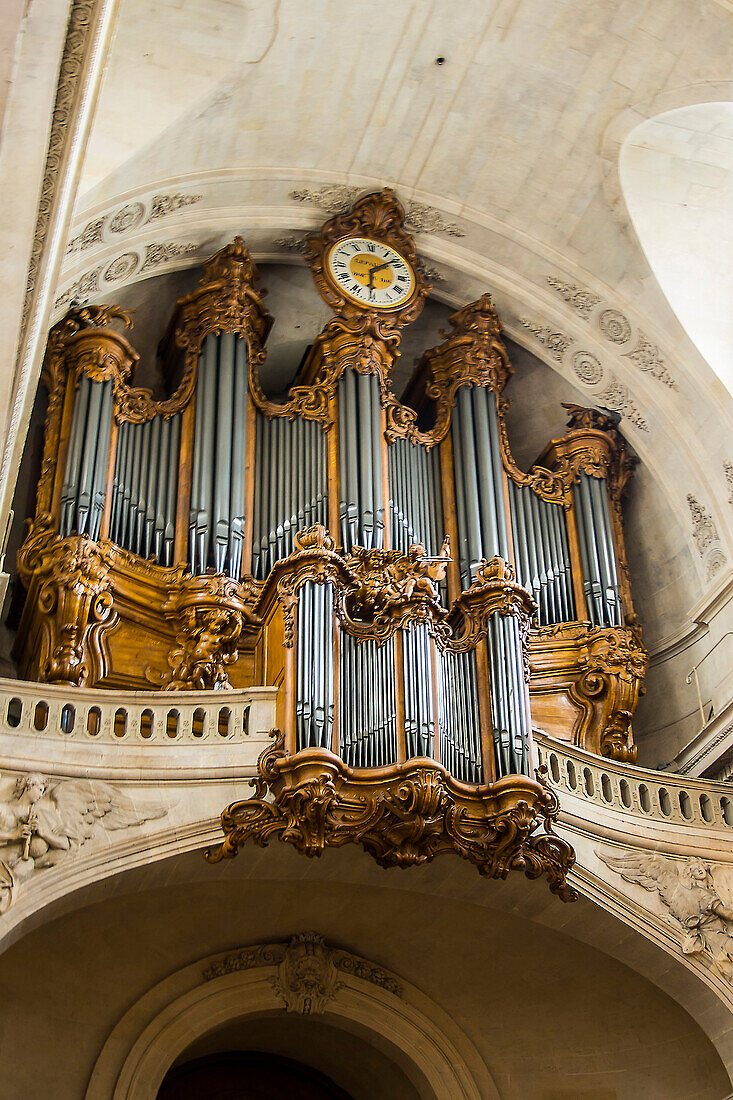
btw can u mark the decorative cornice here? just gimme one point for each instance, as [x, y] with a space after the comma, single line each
[123, 267]
[728, 468]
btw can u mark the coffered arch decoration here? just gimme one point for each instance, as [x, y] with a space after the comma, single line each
[307, 976]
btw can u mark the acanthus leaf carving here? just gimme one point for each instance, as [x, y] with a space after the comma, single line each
[402, 820]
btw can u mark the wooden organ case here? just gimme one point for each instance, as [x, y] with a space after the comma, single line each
[419, 601]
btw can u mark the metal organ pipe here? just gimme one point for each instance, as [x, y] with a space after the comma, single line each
[509, 699]
[361, 508]
[598, 556]
[84, 484]
[482, 526]
[458, 716]
[291, 490]
[368, 712]
[216, 523]
[144, 492]
[541, 552]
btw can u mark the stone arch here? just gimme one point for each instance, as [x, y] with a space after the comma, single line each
[428, 1046]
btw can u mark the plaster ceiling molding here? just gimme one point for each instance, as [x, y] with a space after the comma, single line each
[588, 368]
[648, 357]
[333, 198]
[577, 297]
[431, 273]
[615, 326]
[556, 342]
[617, 398]
[292, 244]
[84, 287]
[728, 467]
[706, 538]
[338, 199]
[122, 269]
[164, 252]
[421, 218]
[128, 218]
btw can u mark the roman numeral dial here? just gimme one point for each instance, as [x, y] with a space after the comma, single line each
[370, 273]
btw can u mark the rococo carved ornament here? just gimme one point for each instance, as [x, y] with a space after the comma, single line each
[74, 601]
[211, 612]
[378, 592]
[404, 818]
[382, 217]
[613, 675]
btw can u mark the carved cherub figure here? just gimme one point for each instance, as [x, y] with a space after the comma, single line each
[417, 574]
[687, 889]
[48, 818]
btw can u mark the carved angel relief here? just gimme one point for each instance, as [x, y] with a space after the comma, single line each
[43, 820]
[690, 890]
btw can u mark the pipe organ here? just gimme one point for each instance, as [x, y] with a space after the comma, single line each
[419, 600]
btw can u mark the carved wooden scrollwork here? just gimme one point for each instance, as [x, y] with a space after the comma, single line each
[378, 592]
[381, 217]
[403, 818]
[212, 613]
[74, 604]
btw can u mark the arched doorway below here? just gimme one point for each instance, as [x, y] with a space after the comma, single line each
[248, 1075]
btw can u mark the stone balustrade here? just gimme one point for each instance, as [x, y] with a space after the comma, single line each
[639, 792]
[72, 714]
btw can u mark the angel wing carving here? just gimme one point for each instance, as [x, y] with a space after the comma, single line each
[688, 890]
[47, 819]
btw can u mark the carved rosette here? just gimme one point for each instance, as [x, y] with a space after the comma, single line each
[72, 586]
[404, 818]
[211, 613]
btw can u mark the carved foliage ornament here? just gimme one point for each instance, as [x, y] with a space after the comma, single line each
[402, 820]
[378, 592]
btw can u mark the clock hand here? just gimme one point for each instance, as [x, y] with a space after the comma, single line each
[380, 267]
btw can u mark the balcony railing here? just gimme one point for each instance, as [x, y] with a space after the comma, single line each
[638, 792]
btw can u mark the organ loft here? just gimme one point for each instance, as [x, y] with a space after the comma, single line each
[419, 601]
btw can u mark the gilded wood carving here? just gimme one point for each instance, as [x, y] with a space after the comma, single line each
[402, 819]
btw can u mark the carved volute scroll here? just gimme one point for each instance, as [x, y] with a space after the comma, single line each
[313, 801]
[73, 606]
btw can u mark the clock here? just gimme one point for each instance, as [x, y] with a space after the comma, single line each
[370, 273]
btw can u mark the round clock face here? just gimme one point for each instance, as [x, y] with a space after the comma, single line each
[371, 273]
